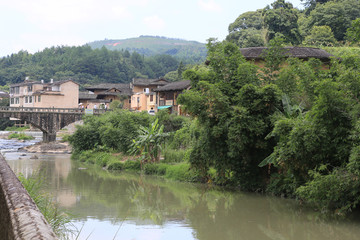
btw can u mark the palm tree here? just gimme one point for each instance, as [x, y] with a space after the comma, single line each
[149, 141]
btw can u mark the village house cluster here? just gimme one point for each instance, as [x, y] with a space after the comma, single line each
[140, 94]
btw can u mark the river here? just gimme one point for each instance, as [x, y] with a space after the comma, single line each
[118, 205]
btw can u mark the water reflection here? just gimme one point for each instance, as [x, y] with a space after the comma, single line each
[143, 207]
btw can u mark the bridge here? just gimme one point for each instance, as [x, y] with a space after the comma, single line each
[48, 120]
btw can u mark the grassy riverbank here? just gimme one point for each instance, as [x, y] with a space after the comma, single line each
[118, 162]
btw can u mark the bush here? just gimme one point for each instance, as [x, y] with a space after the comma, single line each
[116, 165]
[20, 136]
[174, 156]
[132, 165]
[338, 191]
[181, 172]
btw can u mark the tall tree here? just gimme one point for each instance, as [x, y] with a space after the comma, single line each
[281, 20]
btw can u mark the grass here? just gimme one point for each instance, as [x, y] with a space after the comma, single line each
[20, 136]
[13, 128]
[174, 171]
[58, 220]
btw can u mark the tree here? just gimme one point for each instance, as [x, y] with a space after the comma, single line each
[320, 36]
[148, 142]
[337, 15]
[311, 4]
[247, 30]
[353, 33]
[281, 20]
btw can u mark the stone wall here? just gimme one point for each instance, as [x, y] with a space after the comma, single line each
[19, 216]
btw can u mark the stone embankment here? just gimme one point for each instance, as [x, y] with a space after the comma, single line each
[20, 218]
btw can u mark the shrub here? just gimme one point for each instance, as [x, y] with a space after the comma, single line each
[174, 156]
[338, 191]
[20, 136]
[132, 165]
[181, 172]
[116, 165]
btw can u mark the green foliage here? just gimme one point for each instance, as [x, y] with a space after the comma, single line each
[171, 122]
[337, 191]
[320, 36]
[338, 15]
[353, 33]
[20, 136]
[114, 130]
[186, 51]
[181, 172]
[247, 30]
[83, 65]
[149, 142]
[281, 20]
[13, 128]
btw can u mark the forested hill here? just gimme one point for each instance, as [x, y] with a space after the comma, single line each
[186, 51]
[84, 65]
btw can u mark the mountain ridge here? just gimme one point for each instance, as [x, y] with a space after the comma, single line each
[184, 50]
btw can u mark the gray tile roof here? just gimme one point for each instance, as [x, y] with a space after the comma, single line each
[86, 95]
[174, 86]
[106, 86]
[149, 82]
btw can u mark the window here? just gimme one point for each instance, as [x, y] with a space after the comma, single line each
[26, 99]
[12, 90]
[138, 99]
[129, 100]
[39, 98]
[17, 100]
[30, 99]
[12, 100]
[151, 98]
[29, 88]
[17, 90]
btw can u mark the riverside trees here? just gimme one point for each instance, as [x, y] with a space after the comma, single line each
[295, 135]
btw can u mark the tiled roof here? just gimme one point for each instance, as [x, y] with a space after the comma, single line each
[298, 52]
[174, 86]
[149, 82]
[86, 95]
[106, 86]
[4, 94]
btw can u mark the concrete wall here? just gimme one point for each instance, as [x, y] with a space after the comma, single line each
[19, 216]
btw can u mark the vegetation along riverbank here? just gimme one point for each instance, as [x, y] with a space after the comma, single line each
[291, 131]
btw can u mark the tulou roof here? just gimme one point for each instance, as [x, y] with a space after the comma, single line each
[174, 86]
[298, 52]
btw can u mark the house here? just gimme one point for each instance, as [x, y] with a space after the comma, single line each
[60, 94]
[257, 54]
[167, 95]
[143, 96]
[4, 95]
[105, 93]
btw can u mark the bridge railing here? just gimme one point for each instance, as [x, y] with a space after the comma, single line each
[53, 110]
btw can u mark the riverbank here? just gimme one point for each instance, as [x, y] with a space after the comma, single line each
[53, 147]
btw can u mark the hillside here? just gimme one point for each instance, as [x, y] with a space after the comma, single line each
[188, 51]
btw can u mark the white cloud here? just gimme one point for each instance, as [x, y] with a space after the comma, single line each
[209, 6]
[154, 22]
[50, 14]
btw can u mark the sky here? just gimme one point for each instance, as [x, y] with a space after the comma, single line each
[33, 25]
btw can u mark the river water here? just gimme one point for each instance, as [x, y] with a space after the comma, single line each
[108, 205]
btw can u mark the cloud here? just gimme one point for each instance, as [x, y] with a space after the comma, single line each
[209, 6]
[50, 14]
[154, 22]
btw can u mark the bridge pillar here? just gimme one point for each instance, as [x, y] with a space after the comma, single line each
[49, 137]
